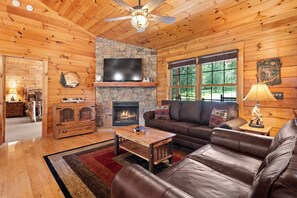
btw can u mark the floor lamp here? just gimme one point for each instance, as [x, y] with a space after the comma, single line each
[258, 93]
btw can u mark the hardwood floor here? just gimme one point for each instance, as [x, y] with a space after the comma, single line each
[24, 173]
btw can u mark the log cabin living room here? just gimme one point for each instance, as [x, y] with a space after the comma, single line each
[153, 98]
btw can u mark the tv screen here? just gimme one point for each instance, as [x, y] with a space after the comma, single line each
[122, 69]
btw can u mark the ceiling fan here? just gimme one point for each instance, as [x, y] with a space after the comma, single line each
[140, 15]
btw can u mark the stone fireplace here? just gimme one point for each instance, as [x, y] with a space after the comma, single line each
[125, 113]
[106, 96]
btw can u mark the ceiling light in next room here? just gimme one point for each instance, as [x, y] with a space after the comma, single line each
[29, 8]
[16, 3]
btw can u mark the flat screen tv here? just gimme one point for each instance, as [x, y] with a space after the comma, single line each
[122, 69]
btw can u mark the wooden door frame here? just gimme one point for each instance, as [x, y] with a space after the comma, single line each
[2, 96]
[2, 99]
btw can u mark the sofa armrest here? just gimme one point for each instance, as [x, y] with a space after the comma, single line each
[149, 115]
[134, 181]
[233, 124]
[256, 145]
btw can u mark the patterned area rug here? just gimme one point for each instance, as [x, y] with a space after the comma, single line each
[88, 171]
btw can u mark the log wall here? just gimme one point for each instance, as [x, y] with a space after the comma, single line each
[277, 37]
[22, 74]
[44, 35]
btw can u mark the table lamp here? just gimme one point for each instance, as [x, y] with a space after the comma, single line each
[12, 91]
[258, 93]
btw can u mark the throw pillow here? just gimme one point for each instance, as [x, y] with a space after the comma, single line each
[217, 117]
[162, 112]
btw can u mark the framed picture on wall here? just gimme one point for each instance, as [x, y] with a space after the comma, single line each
[268, 71]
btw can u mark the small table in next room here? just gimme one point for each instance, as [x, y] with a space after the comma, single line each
[262, 131]
[155, 145]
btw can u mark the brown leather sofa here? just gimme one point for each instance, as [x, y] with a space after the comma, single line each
[234, 164]
[189, 120]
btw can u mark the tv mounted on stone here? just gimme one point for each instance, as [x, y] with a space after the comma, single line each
[122, 70]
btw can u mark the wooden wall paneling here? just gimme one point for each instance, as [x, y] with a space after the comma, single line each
[44, 35]
[2, 100]
[22, 74]
[276, 40]
[45, 96]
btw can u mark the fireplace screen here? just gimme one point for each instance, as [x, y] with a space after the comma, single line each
[125, 113]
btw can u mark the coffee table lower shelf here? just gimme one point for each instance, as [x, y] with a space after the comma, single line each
[160, 153]
[154, 153]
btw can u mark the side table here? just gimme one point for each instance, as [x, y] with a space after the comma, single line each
[262, 131]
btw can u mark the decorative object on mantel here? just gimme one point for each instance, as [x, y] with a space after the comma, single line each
[258, 92]
[74, 100]
[140, 16]
[278, 95]
[98, 78]
[13, 92]
[268, 71]
[147, 79]
[70, 79]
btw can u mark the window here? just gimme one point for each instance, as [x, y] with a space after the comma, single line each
[215, 79]
[183, 80]
[183, 83]
[218, 80]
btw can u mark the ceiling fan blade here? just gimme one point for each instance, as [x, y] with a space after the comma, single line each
[117, 18]
[164, 19]
[124, 4]
[150, 6]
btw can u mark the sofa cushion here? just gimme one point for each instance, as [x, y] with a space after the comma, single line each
[284, 133]
[272, 167]
[191, 139]
[234, 164]
[180, 127]
[202, 132]
[158, 123]
[162, 112]
[190, 111]
[174, 110]
[187, 143]
[198, 180]
[217, 117]
[207, 107]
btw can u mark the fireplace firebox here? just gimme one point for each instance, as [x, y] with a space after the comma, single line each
[125, 113]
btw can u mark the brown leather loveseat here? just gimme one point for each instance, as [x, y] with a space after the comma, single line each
[234, 164]
[189, 120]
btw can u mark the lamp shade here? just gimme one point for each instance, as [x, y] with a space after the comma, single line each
[259, 92]
[12, 91]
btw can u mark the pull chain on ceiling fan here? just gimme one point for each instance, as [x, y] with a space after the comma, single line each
[140, 15]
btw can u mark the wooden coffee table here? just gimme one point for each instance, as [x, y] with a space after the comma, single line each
[155, 145]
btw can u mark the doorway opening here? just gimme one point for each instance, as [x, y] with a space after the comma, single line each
[23, 92]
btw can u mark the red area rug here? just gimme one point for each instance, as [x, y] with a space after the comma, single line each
[88, 171]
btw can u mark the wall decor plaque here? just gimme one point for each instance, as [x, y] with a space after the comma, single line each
[268, 71]
[70, 79]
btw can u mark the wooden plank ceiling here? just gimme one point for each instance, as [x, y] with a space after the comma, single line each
[194, 18]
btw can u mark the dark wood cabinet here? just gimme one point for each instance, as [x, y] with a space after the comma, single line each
[14, 109]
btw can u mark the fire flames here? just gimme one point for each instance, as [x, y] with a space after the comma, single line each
[124, 115]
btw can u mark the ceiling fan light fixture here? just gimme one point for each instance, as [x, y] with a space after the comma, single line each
[139, 21]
